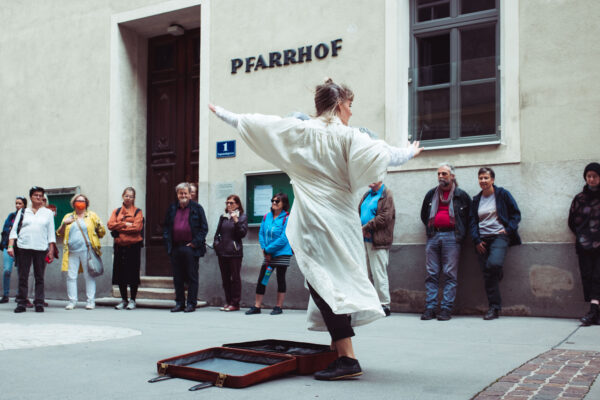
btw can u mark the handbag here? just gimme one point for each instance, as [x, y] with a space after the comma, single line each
[94, 262]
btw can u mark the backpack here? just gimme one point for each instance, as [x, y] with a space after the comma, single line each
[137, 210]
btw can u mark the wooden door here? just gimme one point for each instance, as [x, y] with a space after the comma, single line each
[173, 129]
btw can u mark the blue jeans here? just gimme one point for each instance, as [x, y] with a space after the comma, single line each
[491, 264]
[442, 253]
[8, 267]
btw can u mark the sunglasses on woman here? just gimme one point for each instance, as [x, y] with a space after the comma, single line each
[275, 201]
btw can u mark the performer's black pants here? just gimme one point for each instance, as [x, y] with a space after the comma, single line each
[338, 325]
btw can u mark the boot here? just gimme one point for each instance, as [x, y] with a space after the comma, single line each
[591, 318]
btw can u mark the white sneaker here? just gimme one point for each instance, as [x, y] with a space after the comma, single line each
[70, 306]
[121, 305]
[131, 305]
[90, 306]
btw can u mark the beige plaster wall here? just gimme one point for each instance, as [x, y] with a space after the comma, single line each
[54, 91]
[560, 79]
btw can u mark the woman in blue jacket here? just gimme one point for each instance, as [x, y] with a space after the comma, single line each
[276, 249]
[20, 202]
[495, 219]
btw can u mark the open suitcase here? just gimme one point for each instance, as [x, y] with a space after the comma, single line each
[238, 365]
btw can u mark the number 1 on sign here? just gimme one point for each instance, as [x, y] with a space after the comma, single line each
[225, 146]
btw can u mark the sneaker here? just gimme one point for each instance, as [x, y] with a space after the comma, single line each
[276, 310]
[4, 299]
[20, 309]
[386, 310]
[232, 308]
[90, 306]
[444, 315]
[591, 318]
[29, 304]
[201, 303]
[121, 305]
[428, 314]
[492, 313]
[39, 308]
[342, 368]
[189, 308]
[224, 308]
[70, 306]
[131, 305]
[253, 310]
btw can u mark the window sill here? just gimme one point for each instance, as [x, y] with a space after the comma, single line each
[459, 145]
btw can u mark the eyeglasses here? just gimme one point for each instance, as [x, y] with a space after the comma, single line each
[229, 202]
[79, 201]
[275, 201]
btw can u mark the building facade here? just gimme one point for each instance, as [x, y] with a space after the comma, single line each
[98, 96]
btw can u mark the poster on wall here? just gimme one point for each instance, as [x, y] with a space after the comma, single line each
[262, 199]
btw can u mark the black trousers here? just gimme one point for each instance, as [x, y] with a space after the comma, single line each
[589, 266]
[491, 264]
[24, 259]
[281, 286]
[232, 281]
[185, 270]
[338, 325]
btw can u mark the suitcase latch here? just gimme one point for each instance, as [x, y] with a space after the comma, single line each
[162, 369]
[220, 379]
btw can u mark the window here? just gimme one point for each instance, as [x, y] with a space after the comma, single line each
[454, 74]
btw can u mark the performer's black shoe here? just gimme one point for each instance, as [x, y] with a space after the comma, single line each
[189, 308]
[20, 309]
[428, 314]
[177, 308]
[386, 310]
[253, 310]
[39, 308]
[591, 318]
[276, 310]
[444, 315]
[492, 313]
[342, 368]
[4, 299]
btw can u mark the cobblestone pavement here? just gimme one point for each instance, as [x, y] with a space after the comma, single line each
[555, 374]
[24, 336]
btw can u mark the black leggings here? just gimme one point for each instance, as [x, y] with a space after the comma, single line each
[123, 291]
[281, 287]
[338, 325]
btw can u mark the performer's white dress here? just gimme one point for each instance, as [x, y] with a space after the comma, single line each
[329, 164]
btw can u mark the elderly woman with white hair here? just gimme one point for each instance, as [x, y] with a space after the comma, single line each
[82, 230]
[329, 163]
[184, 233]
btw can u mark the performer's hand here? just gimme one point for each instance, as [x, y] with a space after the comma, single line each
[418, 149]
[212, 108]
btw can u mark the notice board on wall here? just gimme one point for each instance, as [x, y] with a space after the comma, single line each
[260, 188]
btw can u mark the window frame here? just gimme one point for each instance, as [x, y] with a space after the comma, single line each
[452, 25]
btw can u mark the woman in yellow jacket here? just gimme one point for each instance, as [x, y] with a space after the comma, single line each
[79, 228]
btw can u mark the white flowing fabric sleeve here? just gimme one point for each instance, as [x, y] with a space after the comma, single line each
[227, 116]
[400, 155]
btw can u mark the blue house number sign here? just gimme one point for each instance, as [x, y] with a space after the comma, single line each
[226, 149]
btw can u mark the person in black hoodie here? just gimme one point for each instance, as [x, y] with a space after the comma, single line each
[584, 222]
[233, 226]
[495, 219]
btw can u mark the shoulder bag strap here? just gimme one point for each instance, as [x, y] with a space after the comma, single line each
[83, 234]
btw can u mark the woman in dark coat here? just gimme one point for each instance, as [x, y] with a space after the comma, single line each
[233, 226]
[584, 222]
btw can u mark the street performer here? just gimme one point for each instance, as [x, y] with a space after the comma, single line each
[329, 164]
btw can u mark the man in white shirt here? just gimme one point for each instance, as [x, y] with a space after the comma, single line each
[33, 234]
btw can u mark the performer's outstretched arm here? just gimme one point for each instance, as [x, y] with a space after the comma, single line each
[400, 155]
[227, 116]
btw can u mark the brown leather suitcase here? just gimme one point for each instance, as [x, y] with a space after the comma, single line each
[227, 367]
[310, 357]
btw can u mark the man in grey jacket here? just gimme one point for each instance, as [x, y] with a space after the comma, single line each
[378, 216]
